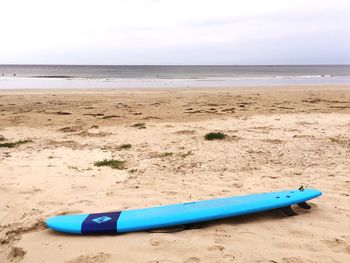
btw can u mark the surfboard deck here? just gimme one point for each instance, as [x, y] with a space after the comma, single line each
[179, 214]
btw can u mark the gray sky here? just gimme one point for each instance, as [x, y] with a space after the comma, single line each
[175, 31]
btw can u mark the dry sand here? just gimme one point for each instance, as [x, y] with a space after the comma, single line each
[278, 138]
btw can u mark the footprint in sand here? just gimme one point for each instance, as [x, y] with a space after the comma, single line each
[16, 254]
[237, 185]
[98, 258]
[229, 257]
[291, 260]
[216, 248]
[155, 242]
[169, 192]
[192, 260]
[338, 245]
[161, 261]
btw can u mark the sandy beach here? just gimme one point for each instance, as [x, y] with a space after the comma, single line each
[277, 138]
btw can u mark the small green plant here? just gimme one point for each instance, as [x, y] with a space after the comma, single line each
[215, 136]
[162, 155]
[184, 155]
[140, 125]
[14, 144]
[166, 154]
[334, 139]
[110, 117]
[125, 146]
[115, 164]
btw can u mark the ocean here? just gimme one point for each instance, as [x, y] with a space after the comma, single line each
[86, 76]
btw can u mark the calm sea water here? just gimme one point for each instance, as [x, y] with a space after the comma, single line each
[59, 76]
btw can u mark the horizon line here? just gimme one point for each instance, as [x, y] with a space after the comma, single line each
[171, 65]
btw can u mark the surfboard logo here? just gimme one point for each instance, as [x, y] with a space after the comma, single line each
[101, 219]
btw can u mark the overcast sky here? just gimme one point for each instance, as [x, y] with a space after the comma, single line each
[175, 32]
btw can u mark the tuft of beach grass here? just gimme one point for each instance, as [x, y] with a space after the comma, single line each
[110, 117]
[139, 125]
[184, 155]
[166, 154]
[13, 144]
[215, 136]
[125, 146]
[114, 164]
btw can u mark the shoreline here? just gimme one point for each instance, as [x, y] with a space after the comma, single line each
[317, 86]
[211, 82]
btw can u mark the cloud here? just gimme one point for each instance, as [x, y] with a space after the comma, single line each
[175, 32]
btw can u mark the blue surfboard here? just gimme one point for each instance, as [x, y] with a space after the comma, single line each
[180, 214]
